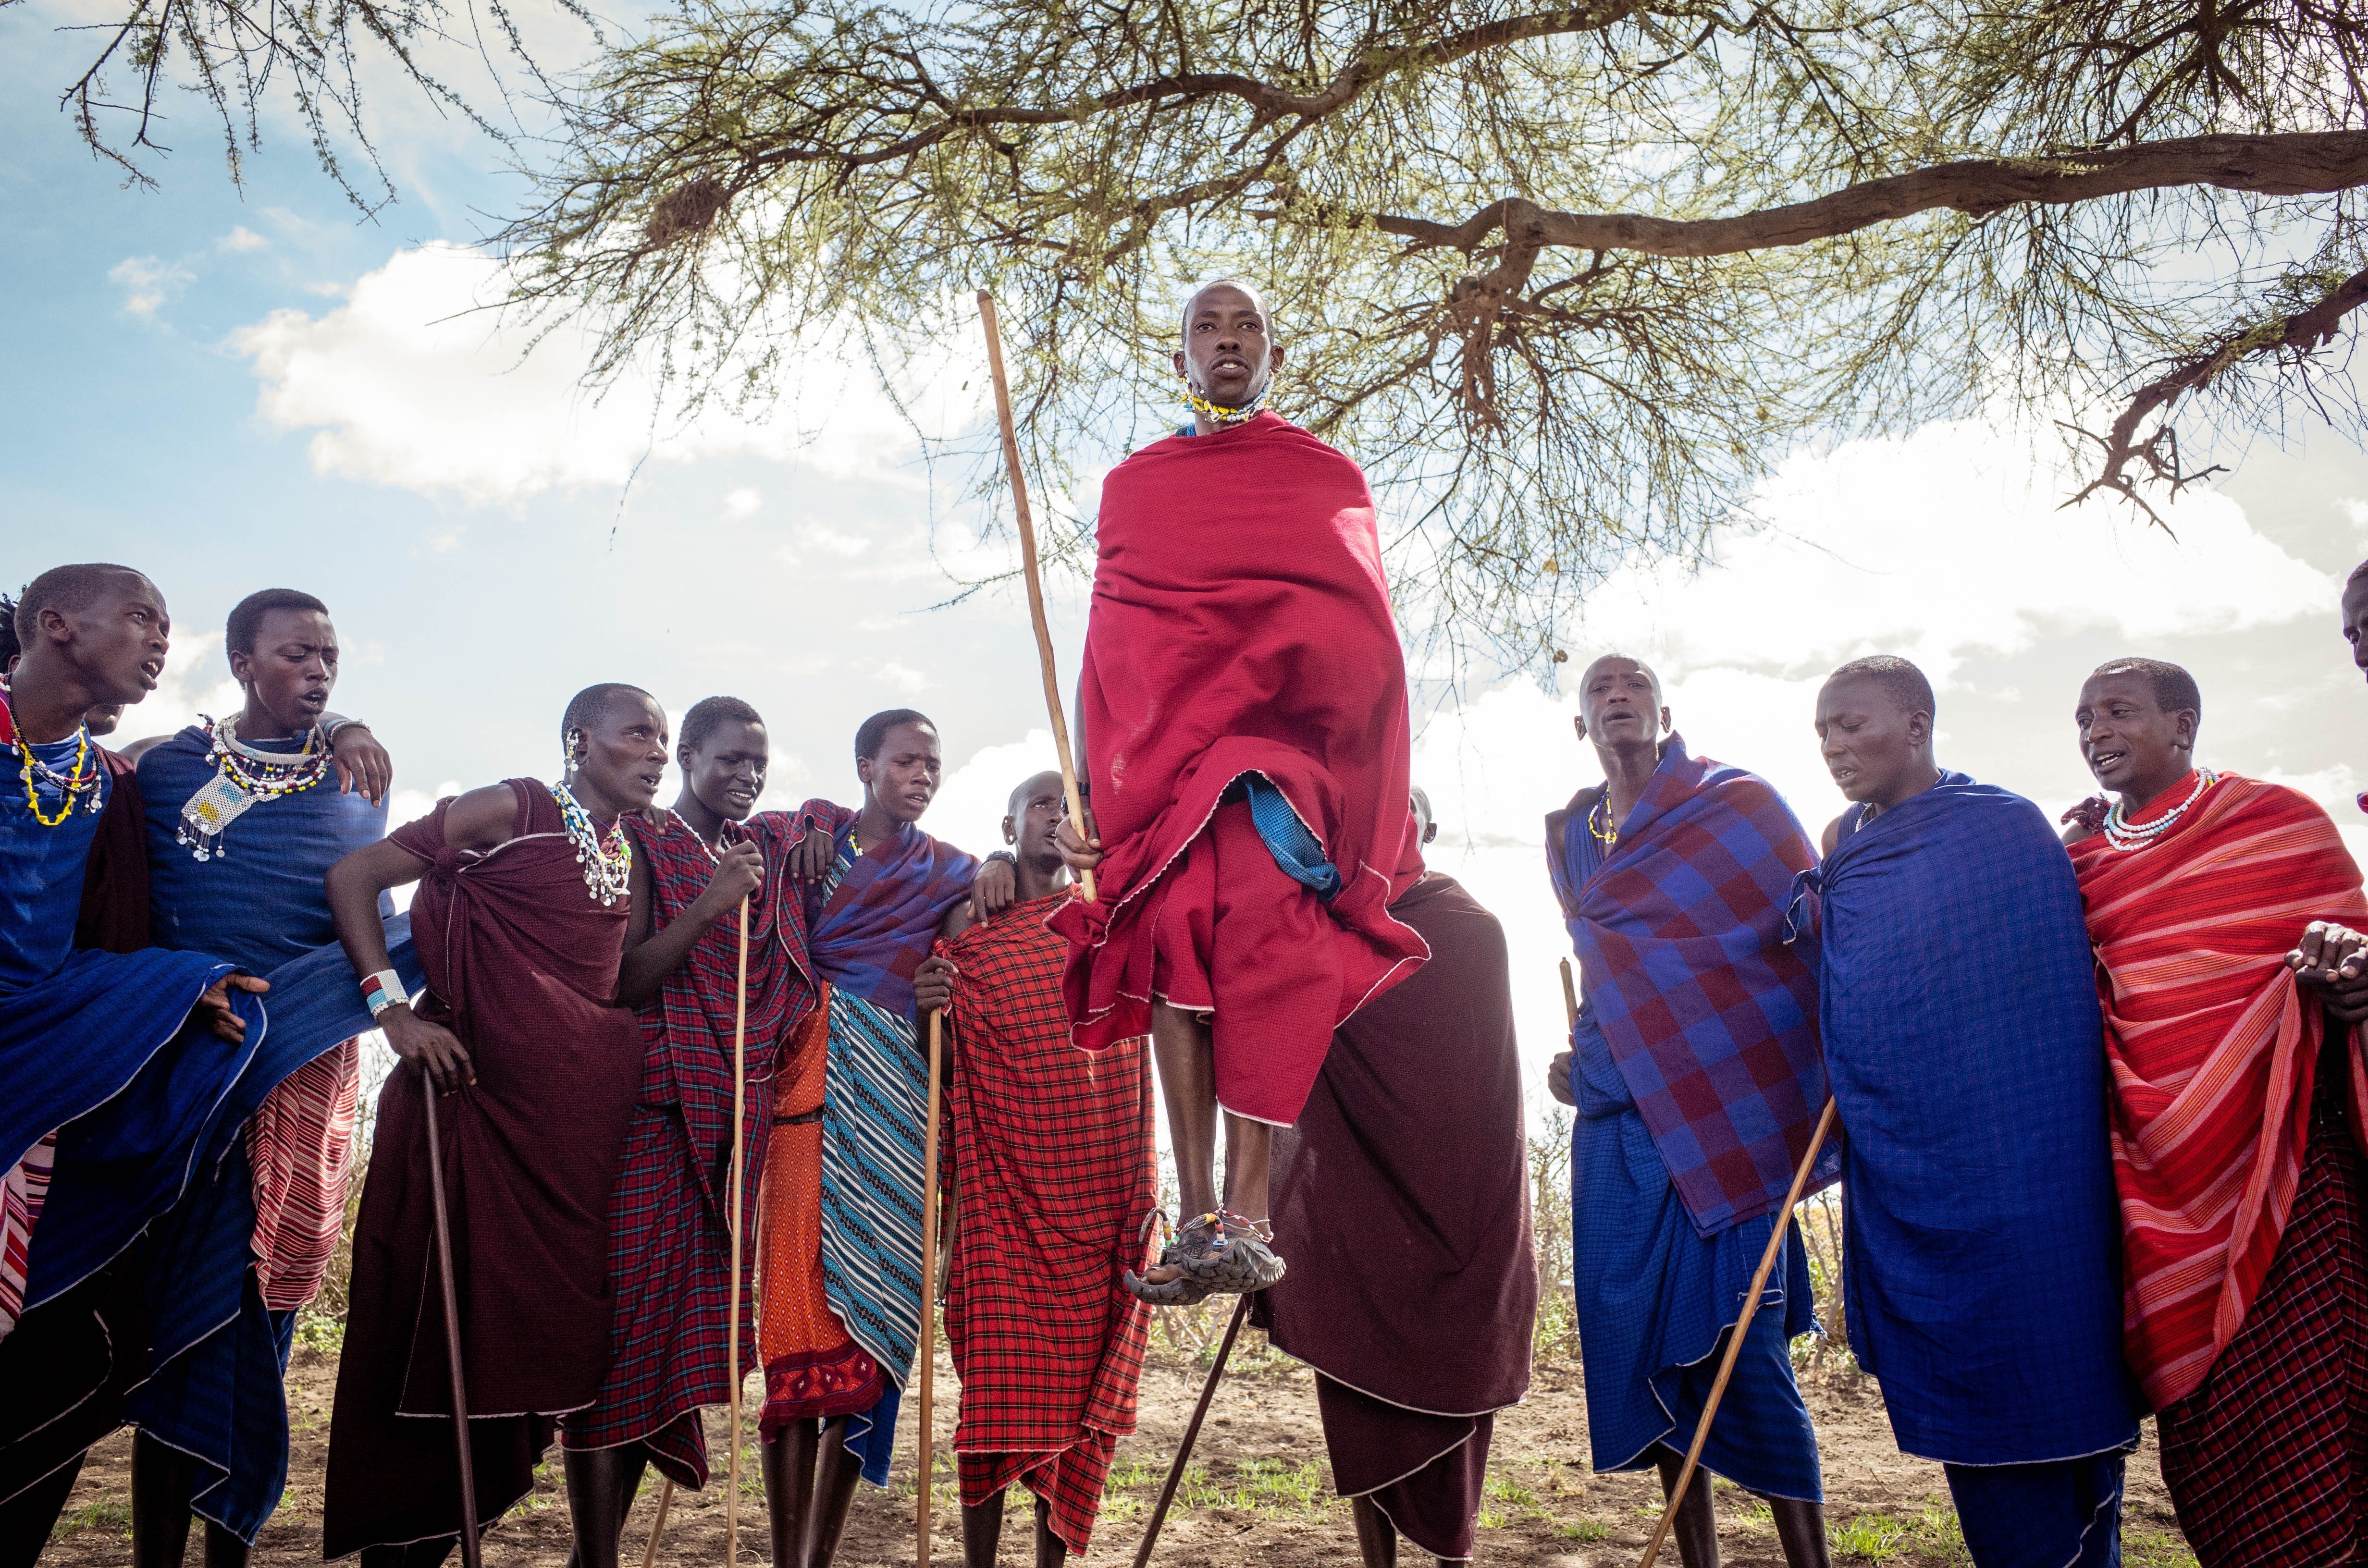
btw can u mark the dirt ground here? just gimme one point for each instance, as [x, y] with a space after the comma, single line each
[1259, 1491]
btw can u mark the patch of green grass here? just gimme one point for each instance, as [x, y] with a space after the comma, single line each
[1501, 1486]
[107, 1513]
[1586, 1530]
[2152, 1548]
[1872, 1537]
[1491, 1519]
[1130, 1473]
[317, 1330]
[1755, 1516]
[1271, 1487]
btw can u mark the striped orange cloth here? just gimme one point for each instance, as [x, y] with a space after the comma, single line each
[24, 1188]
[300, 1143]
[2214, 1050]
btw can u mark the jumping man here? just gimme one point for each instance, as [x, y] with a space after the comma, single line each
[1243, 715]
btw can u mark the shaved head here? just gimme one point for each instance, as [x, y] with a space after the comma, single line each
[1192, 301]
[1898, 679]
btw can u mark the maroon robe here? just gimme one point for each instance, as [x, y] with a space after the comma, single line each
[114, 914]
[521, 965]
[1401, 1199]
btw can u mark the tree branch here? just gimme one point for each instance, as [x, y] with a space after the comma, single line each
[2306, 163]
[2300, 335]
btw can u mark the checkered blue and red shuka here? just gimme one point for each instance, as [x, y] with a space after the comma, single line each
[1711, 1017]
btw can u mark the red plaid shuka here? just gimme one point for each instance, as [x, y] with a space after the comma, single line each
[669, 1247]
[1053, 1149]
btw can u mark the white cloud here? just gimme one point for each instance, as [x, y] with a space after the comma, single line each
[242, 238]
[969, 808]
[1937, 547]
[742, 502]
[911, 682]
[148, 283]
[415, 381]
[2357, 511]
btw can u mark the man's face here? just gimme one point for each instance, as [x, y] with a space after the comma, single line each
[624, 752]
[2355, 622]
[727, 772]
[2126, 739]
[292, 669]
[1871, 748]
[1043, 806]
[904, 776]
[1619, 705]
[119, 639]
[1228, 355]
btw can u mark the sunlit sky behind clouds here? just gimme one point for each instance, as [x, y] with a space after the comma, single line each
[236, 392]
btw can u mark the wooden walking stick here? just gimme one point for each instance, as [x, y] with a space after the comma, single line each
[929, 1352]
[658, 1525]
[1569, 995]
[1735, 1340]
[469, 1557]
[1027, 565]
[1191, 1433]
[739, 1161]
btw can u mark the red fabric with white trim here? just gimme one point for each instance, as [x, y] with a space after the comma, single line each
[300, 1143]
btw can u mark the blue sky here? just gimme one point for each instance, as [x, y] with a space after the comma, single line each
[234, 390]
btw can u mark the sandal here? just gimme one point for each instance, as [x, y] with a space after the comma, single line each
[1224, 1253]
[1181, 1291]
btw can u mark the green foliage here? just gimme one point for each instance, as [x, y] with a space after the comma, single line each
[1435, 199]
[107, 1513]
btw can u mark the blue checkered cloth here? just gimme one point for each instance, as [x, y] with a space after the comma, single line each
[1654, 1295]
[2064, 1514]
[1959, 1009]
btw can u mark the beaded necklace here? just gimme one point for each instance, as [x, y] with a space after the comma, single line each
[1598, 821]
[607, 867]
[2121, 835]
[83, 780]
[38, 774]
[245, 776]
[1220, 415]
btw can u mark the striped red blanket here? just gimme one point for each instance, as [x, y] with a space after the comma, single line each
[300, 1144]
[2214, 1050]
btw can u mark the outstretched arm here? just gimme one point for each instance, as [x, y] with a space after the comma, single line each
[650, 958]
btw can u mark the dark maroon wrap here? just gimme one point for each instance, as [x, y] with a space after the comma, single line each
[522, 965]
[114, 914]
[1402, 1200]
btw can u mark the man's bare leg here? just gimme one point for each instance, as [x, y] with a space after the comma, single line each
[835, 1473]
[788, 1463]
[1696, 1527]
[1377, 1538]
[1052, 1551]
[981, 1531]
[1182, 1044]
[1800, 1527]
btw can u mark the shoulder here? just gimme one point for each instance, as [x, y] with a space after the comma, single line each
[1833, 834]
[486, 816]
[1579, 805]
[189, 744]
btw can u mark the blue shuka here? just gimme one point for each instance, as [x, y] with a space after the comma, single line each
[258, 900]
[99, 1048]
[1655, 1292]
[1982, 1266]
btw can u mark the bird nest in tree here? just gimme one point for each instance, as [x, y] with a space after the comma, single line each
[684, 211]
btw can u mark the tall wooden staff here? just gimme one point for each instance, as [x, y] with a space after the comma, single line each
[1735, 1340]
[469, 1557]
[739, 1163]
[929, 1352]
[1569, 995]
[1027, 565]
[1191, 1433]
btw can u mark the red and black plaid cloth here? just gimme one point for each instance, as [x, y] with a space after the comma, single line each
[2267, 1462]
[669, 1247]
[1053, 1149]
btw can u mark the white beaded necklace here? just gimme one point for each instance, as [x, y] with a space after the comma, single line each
[2122, 836]
[608, 868]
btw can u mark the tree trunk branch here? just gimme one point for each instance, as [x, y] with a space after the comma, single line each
[2297, 163]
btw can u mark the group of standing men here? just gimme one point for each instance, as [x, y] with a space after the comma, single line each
[2099, 1106]
[2096, 1107]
